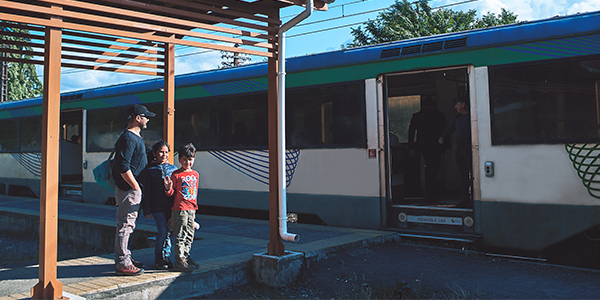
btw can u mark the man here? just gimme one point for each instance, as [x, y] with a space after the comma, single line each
[428, 125]
[462, 128]
[130, 160]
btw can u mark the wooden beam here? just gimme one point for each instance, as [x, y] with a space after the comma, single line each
[112, 61]
[141, 36]
[125, 24]
[120, 40]
[48, 286]
[218, 9]
[111, 69]
[86, 67]
[169, 99]
[189, 14]
[111, 54]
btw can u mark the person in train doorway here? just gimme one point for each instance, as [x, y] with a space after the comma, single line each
[130, 160]
[462, 135]
[428, 124]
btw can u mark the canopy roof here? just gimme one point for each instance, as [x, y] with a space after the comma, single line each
[130, 35]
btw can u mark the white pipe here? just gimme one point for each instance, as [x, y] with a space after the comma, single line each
[281, 130]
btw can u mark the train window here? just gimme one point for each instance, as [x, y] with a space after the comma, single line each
[9, 135]
[545, 102]
[31, 134]
[331, 115]
[322, 116]
[104, 126]
[400, 112]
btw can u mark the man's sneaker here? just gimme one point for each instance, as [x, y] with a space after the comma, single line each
[129, 271]
[137, 263]
[183, 266]
[164, 264]
[191, 262]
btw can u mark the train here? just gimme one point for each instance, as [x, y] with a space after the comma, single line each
[533, 89]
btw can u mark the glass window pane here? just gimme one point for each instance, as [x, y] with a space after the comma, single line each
[326, 115]
[554, 102]
[400, 112]
[31, 134]
[106, 125]
[196, 122]
[315, 117]
[9, 135]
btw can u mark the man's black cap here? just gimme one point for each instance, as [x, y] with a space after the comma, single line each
[139, 110]
[464, 100]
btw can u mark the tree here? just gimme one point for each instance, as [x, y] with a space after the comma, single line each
[22, 78]
[233, 59]
[406, 20]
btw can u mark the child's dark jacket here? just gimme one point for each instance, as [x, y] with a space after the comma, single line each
[154, 199]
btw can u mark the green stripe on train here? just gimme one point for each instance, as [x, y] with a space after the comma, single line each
[476, 57]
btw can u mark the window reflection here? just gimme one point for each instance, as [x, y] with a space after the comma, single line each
[104, 126]
[315, 117]
[554, 102]
[8, 135]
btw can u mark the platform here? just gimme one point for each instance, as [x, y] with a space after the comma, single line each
[223, 248]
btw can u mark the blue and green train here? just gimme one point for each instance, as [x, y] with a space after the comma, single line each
[533, 89]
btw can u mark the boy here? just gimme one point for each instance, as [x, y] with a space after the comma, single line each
[184, 185]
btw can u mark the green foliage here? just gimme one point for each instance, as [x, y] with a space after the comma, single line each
[406, 20]
[23, 81]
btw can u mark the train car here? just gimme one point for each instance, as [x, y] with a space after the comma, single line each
[534, 117]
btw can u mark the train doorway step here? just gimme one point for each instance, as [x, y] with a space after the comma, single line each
[437, 219]
[437, 236]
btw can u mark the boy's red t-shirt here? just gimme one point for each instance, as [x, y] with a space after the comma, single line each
[185, 188]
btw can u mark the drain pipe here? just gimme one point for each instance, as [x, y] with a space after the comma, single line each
[281, 130]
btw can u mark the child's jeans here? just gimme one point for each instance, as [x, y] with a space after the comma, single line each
[183, 228]
[164, 238]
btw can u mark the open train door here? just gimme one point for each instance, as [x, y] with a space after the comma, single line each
[424, 189]
[71, 154]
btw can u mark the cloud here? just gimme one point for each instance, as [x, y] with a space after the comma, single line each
[584, 6]
[196, 60]
[529, 10]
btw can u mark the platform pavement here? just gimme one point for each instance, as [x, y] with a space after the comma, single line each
[223, 248]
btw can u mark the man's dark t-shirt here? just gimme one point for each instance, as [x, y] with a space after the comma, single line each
[462, 132]
[130, 154]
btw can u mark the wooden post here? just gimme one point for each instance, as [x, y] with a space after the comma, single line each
[169, 99]
[275, 246]
[48, 286]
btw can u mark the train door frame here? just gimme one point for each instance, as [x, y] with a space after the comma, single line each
[386, 173]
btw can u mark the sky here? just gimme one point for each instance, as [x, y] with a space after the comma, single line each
[327, 31]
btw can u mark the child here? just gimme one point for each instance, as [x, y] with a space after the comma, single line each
[184, 185]
[155, 203]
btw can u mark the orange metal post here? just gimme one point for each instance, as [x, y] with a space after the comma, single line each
[48, 286]
[275, 246]
[169, 98]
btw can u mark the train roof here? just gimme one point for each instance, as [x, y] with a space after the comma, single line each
[555, 27]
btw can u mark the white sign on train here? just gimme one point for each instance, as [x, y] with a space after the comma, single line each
[435, 220]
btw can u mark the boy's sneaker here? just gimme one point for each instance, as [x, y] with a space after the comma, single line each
[183, 266]
[129, 271]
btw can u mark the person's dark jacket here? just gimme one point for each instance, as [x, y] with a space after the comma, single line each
[154, 199]
[428, 125]
[462, 132]
[130, 154]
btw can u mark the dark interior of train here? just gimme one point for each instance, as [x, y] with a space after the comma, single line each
[408, 94]
[71, 177]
